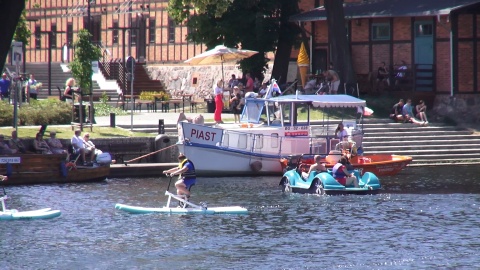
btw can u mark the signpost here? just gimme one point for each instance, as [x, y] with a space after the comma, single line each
[129, 66]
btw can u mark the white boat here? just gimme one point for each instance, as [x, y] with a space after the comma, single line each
[187, 208]
[13, 214]
[269, 132]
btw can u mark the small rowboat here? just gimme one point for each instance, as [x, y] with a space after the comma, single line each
[187, 208]
[13, 214]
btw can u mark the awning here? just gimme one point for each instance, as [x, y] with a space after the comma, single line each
[322, 101]
[389, 8]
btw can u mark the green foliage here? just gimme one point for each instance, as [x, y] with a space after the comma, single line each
[22, 32]
[150, 95]
[103, 109]
[81, 66]
[179, 10]
[255, 24]
[48, 111]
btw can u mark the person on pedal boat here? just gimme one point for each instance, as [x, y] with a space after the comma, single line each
[186, 171]
[342, 175]
[317, 167]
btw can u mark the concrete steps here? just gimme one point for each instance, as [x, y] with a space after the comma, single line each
[435, 144]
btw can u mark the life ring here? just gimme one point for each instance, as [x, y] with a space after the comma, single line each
[256, 166]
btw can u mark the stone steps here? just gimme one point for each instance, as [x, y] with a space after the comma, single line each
[437, 143]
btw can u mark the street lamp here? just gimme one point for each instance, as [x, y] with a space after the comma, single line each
[124, 30]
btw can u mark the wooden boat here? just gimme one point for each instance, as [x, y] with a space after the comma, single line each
[187, 208]
[271, 131]
[41, 169]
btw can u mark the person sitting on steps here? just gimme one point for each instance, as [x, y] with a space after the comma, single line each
[187, 176]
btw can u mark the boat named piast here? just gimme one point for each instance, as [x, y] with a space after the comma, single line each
[274, 130]
[24, 169]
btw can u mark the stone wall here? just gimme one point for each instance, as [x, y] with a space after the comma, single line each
[195, 80]
[459, 109]
[153, 144]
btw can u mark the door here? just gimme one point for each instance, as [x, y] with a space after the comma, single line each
[424, 68]
[319, 61]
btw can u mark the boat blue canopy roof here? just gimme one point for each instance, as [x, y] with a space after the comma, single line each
[322, 101]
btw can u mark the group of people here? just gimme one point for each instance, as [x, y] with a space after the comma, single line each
[328, 83]
[32, 87]
[40, 146]
[403, 112]
[238, 93]
[81, 145]
[340, 171]
[383, 75]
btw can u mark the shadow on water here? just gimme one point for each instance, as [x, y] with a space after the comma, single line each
[439, 179]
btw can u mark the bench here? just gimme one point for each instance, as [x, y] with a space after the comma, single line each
[139, 104]
[118, 151]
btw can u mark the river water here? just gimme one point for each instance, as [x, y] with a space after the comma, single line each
[425, 218]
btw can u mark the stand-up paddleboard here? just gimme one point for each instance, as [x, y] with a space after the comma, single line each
[188, 208]
[13, 214]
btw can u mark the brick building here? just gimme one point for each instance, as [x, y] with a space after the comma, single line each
[138, 28]
[426, 37]
[437, 39]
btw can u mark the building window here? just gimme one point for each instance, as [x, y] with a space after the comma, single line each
[38, 37]
[115, 32]
[70, 34]
[171, 31]
[380, 31]
[151, 31]
[423, 30]
[134, 32]
[53, 29]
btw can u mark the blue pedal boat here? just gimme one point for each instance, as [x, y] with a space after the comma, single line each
[324, 183]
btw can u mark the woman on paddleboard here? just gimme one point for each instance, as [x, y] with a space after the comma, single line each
[186, 170]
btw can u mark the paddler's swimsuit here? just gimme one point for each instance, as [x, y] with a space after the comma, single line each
[189, 177]
[338, 174]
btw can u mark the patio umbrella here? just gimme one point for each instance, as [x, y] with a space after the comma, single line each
[220, 54]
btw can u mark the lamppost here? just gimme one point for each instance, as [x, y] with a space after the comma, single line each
[124, 57]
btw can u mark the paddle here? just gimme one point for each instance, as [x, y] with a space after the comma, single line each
[2, 178]
[131, 160]
[169, 182]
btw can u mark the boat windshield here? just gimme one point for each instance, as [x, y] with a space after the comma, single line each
[252, 110]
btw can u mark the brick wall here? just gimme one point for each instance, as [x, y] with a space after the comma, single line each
[443, 67]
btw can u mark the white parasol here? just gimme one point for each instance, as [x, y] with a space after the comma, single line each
[220, 54]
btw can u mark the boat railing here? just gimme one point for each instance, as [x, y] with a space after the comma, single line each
[275, 145]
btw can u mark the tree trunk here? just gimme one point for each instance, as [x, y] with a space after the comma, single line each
[339, 47]
[10, 12]
[286, 37]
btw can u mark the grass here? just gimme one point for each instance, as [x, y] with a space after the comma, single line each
[66, 132]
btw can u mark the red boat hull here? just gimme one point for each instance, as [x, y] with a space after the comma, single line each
[380, 165]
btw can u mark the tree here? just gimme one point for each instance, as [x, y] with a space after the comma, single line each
[22, 32]
[260, 25]
[81, 66]
[337, 39]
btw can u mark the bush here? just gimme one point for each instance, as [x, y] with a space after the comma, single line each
[49, 111]
[103, 109]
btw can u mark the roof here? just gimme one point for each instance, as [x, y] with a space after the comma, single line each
[389, 8]
[323, 101]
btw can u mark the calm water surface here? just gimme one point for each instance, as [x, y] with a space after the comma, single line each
[425, 218]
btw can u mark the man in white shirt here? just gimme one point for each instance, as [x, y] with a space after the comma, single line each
[79, 146]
